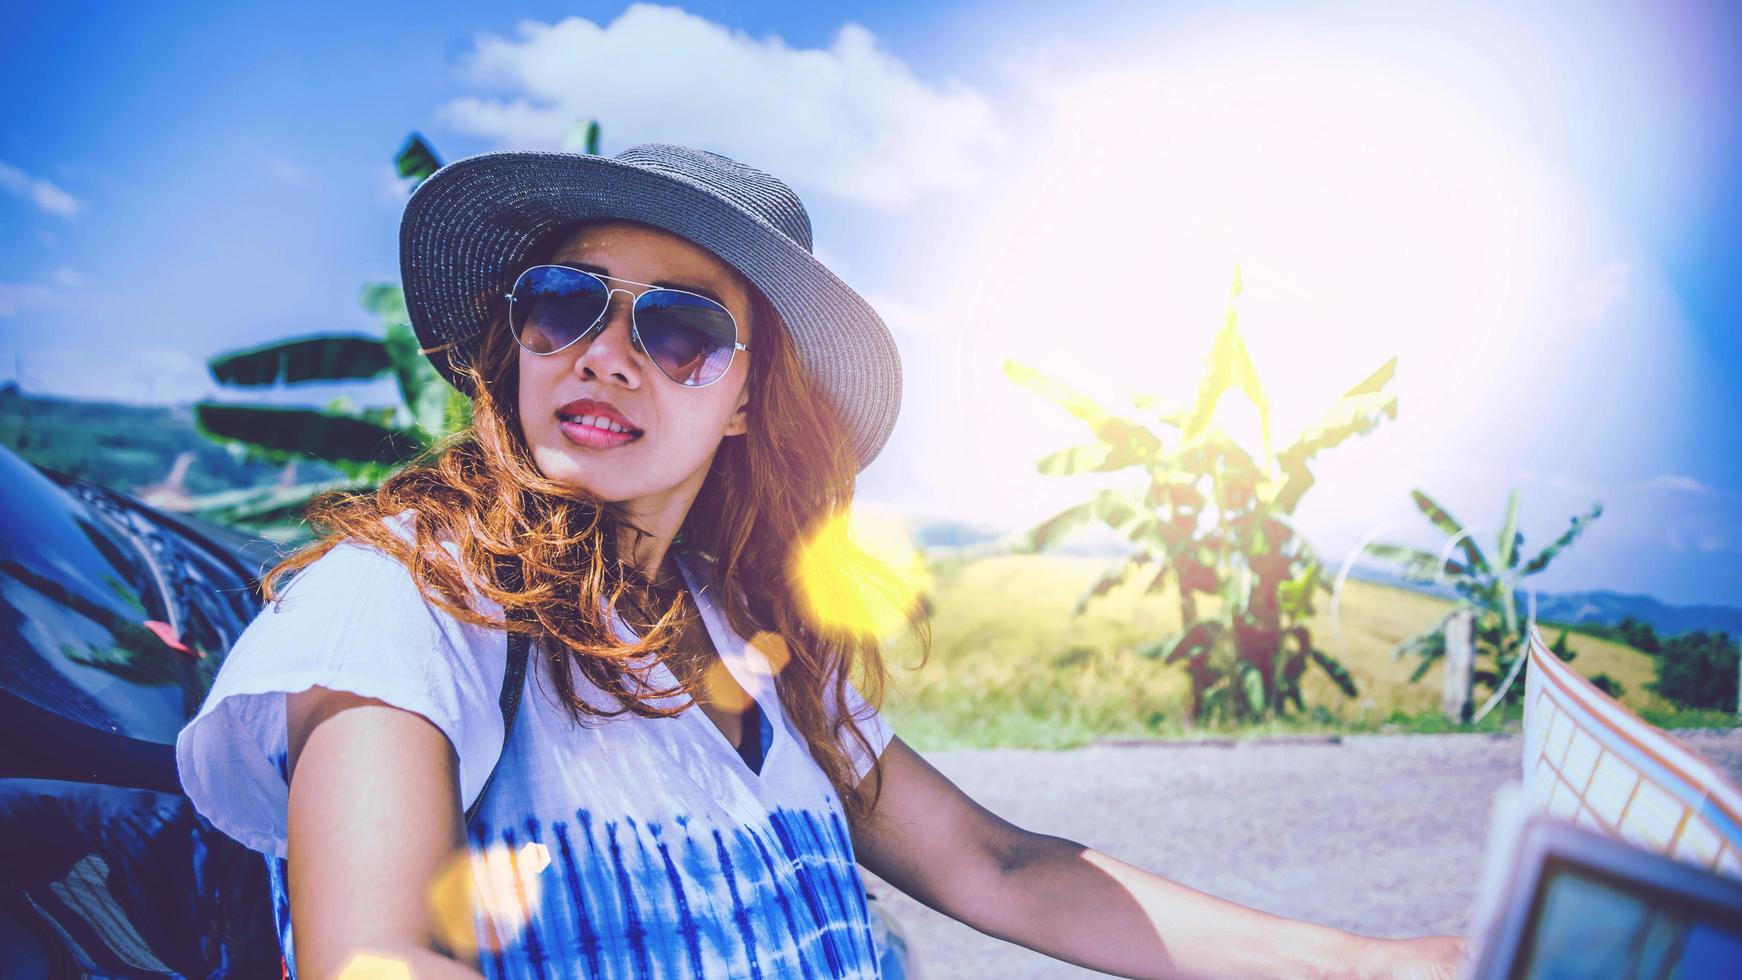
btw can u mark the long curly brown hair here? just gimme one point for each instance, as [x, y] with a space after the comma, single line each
[555, 558]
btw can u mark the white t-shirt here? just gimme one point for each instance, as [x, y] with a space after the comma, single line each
[667, 855]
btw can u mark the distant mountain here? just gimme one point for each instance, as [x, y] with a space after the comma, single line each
[928, 535]
[1600, 608]
[1609, 608]
[1385, 576]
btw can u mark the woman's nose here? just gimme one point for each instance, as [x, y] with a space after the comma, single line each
[611, 351]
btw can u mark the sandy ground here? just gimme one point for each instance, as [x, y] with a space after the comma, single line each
[1378, 834]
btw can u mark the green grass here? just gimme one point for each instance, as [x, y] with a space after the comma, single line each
[1011, 667]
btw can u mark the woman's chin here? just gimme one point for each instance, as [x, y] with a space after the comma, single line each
[564, 470]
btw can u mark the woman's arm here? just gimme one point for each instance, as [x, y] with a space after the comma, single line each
[374, 815]
[1076, 904]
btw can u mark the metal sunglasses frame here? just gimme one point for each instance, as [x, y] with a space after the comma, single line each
[634, 328]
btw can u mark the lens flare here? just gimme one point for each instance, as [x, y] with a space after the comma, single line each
[859, 574]
[773, 648]
[374, 966]
[505, 885]
[723, 689]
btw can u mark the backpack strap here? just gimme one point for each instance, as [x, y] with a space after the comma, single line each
[513, 681]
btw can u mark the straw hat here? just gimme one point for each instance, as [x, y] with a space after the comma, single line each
[474, 225]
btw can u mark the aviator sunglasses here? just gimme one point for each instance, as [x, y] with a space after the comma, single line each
[689, 337]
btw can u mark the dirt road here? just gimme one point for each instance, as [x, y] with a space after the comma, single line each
[1379, 834]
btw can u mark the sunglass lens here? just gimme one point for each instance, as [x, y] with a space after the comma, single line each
[690, 337]
[552, 307]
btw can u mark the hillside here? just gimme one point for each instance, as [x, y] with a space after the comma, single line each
[128, 447]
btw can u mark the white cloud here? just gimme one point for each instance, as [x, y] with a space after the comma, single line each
[38, 191]
[1601, 292]
[16, 297]
[155, 375]
[286, 171]
[905, 319]
[1676, 481]
[849, 120]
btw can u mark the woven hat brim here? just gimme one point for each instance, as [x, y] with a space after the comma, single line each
[474, 224]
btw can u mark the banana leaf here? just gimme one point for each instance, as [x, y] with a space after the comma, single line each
[435, 406]
[1338, 674]
[1443, 520]
[1157, 536]
[1375, 381]
[324, 357]
[1230, 366]
[1508, 538]
[386, 300]
[1422, 668]
[1190, 643]
[1358, 412]
[1161, 409]
[1070, 399]
[1098, 457]
[416, 160]
[304, 433]
[1295, 596]
[1091, 458]
[1169, 491]
[1548, 554]
[1114, 576]
[1053, 529]
[583, 138]
[1417, 564]
[1430, 642]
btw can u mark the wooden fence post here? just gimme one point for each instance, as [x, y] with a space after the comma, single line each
[1460, 665]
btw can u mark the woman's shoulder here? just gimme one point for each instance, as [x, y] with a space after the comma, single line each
[353, 620]
[359, 564]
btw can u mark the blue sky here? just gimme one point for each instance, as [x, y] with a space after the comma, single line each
[1529, 208]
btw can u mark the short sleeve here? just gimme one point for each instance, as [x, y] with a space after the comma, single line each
[353, 620]
[871, 723]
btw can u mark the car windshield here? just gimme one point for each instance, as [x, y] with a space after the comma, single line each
[108, 617]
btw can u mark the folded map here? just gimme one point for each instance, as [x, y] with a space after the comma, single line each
[1590, 760]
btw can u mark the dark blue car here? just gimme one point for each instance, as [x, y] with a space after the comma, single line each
[113, 620]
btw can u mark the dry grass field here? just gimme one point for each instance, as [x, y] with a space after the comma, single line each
[1011, 667]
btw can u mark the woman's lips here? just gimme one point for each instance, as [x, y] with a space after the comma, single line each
[592, 436]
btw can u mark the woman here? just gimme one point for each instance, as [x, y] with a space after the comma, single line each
[669, 393]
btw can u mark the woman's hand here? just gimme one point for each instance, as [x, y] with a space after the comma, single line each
[1424, 958]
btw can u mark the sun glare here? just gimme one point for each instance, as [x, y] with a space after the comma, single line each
[375, 966]
[1374, 213]
[859, 574]
[1371, 212]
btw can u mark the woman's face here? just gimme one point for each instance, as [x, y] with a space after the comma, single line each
[673, 430]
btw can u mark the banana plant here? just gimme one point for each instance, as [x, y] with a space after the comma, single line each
[1488, 588]
[1213, 519]
[364, 445]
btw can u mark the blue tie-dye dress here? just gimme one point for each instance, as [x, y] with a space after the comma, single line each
[629, 847]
